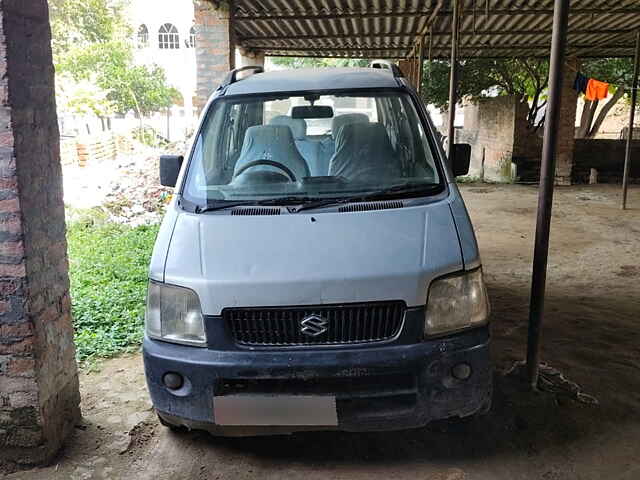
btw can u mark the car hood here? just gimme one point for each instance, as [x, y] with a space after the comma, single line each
[307, 259]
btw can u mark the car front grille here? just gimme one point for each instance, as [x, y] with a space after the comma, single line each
[315, 325]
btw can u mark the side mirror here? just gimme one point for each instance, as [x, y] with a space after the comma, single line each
[169, 169]
[461, 159]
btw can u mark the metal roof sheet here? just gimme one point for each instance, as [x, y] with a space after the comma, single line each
[391, 28]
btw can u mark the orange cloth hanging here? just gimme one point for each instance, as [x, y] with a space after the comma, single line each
[596, 90]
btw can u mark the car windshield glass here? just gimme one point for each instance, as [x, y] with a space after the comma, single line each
[311, 147]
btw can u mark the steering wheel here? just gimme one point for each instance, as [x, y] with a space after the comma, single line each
[270, 163]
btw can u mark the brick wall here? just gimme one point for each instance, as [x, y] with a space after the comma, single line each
[605, 156]
[215, 48]
[494, 128]
[566, 132]
[39, 394]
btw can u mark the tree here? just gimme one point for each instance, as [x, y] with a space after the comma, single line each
[527, 79]
[83, 22]
[480, 77]
[129, 87]
[92, 45]
[313, 62]
[618, 71]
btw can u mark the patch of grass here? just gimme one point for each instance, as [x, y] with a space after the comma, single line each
[108, 267]
[469, 179]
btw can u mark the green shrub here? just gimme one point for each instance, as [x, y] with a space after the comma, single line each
[108, 267]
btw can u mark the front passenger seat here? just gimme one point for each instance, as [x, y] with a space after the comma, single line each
[328, 146]
[364, 152]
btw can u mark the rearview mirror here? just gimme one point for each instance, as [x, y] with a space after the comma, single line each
[169, 169]
[461, 159]
[319, 111]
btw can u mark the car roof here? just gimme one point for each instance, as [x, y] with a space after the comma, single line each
[305, 79]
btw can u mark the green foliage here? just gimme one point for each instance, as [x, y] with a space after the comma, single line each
[83, 97]
[108, 266]
[618, 71]
[483, 77]
[94, 47]
[129, 87]
[83, 22]
[312, 62]
[526, 78]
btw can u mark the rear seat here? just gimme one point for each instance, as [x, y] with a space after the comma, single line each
[317, 154]
[309, 149]
[328, 146]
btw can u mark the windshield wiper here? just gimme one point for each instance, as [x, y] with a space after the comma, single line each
[221, 206]
[377, 195]
[224, 204]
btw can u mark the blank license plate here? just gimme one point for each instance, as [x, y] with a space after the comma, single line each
[274, 410]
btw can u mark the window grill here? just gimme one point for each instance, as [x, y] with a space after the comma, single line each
[192, 37]
[143, 36]
[168, 37]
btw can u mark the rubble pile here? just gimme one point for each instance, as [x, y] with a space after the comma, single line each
[134, 195]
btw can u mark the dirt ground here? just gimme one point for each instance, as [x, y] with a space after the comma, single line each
[591, 334]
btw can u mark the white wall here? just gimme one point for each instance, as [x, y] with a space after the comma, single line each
[179, 64]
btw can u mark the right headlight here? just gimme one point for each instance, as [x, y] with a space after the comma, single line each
[456, 302]
[174, 315]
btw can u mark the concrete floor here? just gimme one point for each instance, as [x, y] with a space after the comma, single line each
[591, 335]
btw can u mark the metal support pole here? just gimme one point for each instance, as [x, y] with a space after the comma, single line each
[453, 76]
[420, 64]
[632, 117]
[545, 191]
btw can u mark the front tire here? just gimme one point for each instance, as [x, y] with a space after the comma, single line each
[171, 426]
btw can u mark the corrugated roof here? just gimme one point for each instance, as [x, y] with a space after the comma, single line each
[391, 28]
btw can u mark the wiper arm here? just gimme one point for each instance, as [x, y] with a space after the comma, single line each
[379, 194]
[398, 189]
[323, 203]
[271, 201]
[221, 206]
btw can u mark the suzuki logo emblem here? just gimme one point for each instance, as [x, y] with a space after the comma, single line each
[313, 325]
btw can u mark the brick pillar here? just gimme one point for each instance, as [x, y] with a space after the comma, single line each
[566, 134]
[405, 67]
[215, 48]
[39, 395]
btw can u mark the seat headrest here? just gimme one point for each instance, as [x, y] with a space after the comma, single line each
[297, 125]
[267, 137]
[370, 136]
[342, 120]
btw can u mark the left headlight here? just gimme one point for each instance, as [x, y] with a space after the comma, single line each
[174, 315]
[456, 302]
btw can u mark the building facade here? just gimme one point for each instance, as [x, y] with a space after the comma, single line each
[165, 35]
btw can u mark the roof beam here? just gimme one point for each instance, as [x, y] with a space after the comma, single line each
[524, 47]
[331, 48]
[268, 38]
[398, 48]
[241, 16]
[306, 55]
[305, 15]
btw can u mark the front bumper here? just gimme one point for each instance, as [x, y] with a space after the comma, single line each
[388, 387]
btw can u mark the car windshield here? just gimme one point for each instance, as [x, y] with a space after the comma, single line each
[307, 147]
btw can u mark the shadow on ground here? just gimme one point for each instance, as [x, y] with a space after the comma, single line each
[520, 421]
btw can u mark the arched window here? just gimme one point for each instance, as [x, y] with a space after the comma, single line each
[192, 37]
[168, 36]
[143, 36]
